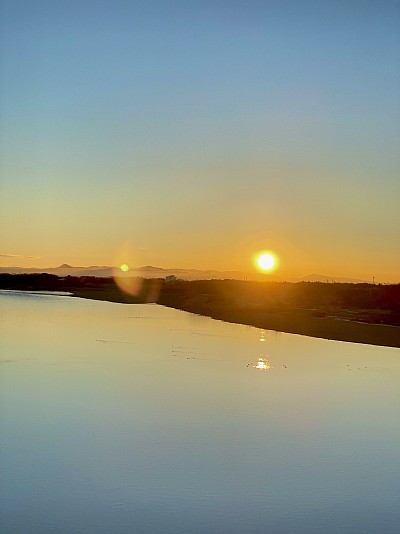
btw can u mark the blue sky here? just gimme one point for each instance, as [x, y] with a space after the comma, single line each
[201, 132]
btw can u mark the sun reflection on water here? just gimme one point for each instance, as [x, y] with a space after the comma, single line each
[262, 365]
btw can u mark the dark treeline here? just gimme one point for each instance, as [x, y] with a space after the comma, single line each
[319, 298]
[92, 287]
[50, 282]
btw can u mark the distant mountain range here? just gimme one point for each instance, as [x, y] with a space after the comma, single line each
[150, 271]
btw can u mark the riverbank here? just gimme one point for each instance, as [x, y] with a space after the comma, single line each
[302, 323]
[339, 325]
[357, 313]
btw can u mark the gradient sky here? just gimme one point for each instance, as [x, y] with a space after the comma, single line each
[200, 132]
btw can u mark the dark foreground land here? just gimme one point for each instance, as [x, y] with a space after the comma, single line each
[359, 313]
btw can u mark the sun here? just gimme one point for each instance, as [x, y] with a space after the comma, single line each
[266, 261]
[124, 268]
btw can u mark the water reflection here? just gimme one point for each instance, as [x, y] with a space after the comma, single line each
[142, 434]
[262, 365]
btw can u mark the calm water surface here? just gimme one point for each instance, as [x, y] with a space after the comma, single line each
[139, 418]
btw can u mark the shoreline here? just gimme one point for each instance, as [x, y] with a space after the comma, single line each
[353, 313]
[322, 328]
[289, 321]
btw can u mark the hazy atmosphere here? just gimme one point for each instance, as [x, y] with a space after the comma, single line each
[194, 134]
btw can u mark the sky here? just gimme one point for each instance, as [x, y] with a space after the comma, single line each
[194, 134]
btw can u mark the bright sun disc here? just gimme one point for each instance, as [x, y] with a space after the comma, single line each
[266, 262]
[124, 268]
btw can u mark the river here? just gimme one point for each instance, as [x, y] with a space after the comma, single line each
[139, 418]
